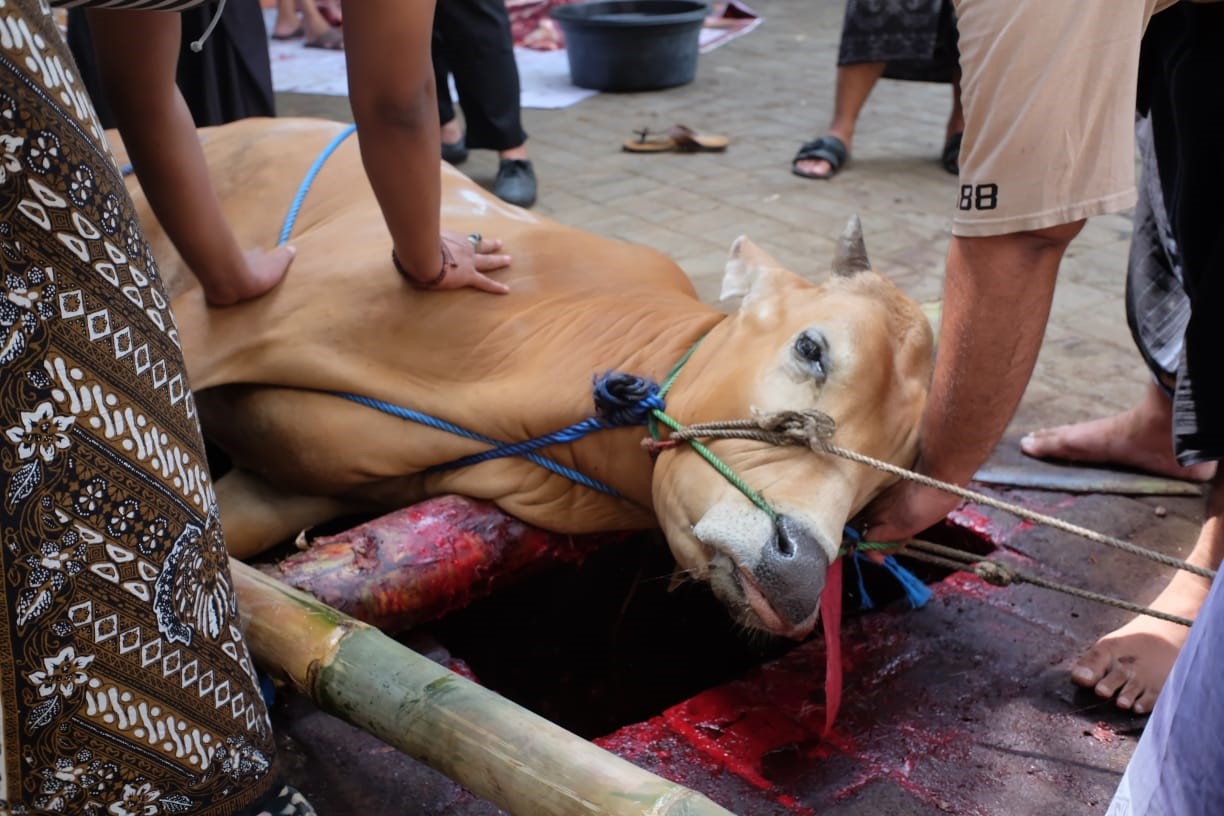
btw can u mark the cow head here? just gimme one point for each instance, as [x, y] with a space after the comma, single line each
[855, 348]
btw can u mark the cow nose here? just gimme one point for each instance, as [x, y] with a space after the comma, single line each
[791, 572]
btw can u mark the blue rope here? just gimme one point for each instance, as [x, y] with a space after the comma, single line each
[864, 599]
[621, 400]
[916, 592]
[458, 430]
[304, 187]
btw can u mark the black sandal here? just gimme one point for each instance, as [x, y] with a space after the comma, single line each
[829, 148]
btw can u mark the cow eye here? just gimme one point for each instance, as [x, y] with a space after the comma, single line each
[812, 350]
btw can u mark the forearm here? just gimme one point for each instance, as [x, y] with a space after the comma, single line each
[997, 297]
[138, 58]
[391, 88]
[399, 147]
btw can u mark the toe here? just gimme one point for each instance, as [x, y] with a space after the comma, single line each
[1091, 667]
[813, 168]
[1114, 679]
[1036, 443]
[1132, 691]
[1146, 702]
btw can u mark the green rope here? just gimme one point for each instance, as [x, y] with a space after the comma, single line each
[719, 465]
[868, 546]
[657, 416]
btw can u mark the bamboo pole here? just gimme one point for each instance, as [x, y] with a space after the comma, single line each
[495, 748]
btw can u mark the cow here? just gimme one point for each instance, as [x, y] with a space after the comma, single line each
[267, 374]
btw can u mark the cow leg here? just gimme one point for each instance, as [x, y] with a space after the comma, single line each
[256, 516]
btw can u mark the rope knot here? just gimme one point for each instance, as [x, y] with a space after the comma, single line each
[625, 399]
[808, 427]
[992, 572]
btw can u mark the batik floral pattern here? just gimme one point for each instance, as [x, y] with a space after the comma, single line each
[127, 686]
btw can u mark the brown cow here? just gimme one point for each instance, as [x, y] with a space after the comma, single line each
[520, 365]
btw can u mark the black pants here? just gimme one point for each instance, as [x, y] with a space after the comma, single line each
[472, 41]
[230, 79]
[1180, 84]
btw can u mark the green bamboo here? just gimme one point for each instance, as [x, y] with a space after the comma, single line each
[495, 748]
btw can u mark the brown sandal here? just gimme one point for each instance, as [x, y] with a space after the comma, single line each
[678, 138]
[690, 141]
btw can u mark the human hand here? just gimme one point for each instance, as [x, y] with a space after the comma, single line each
[901, 512]
[465, 259]
[248, 277]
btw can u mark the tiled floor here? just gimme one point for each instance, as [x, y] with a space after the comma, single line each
[1021, 742]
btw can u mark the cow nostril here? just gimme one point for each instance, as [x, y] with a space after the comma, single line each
[783, 544]
[791, 572]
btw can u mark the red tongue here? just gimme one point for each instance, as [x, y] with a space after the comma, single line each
[830, 616]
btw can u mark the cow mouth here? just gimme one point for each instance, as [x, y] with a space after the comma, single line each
[760, 607]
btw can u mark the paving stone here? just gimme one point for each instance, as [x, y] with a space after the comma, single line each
[988, 667]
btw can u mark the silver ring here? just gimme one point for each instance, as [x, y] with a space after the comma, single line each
[475, 238]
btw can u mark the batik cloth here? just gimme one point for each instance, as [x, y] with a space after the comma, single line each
[126, 688]
[917, 38]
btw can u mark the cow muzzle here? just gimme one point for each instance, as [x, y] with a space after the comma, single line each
[783, 587]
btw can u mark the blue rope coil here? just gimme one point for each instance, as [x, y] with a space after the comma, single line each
[625, 400]
[621, 400]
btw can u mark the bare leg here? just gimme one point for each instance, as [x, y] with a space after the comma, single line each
[1140, 438]
[287, 23]
[854, 84]
[314, 22]
[1134, 661]
[956, 119]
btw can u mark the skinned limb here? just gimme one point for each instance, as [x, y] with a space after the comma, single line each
[997, 296]
[138, 58]
[394, 104]
[854, 85]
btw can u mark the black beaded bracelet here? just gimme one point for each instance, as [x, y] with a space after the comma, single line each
[448, 262]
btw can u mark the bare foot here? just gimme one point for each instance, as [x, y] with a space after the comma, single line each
[819, 168]
[287, 28]
[1134, 661]
[263, 271]
[1139, 439]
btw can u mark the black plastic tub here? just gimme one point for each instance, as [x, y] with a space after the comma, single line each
[632, 45]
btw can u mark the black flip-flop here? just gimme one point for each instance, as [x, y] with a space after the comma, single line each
[951, 154]
[829, 148]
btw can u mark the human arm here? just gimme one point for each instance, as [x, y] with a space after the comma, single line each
[137, 54]
[997, 296]
[391, 88]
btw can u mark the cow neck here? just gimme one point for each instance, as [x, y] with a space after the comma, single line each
[654, 359]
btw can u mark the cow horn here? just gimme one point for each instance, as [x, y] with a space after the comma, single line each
[851, 255]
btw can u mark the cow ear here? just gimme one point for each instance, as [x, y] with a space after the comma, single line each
[851, 255]
[751, 272]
